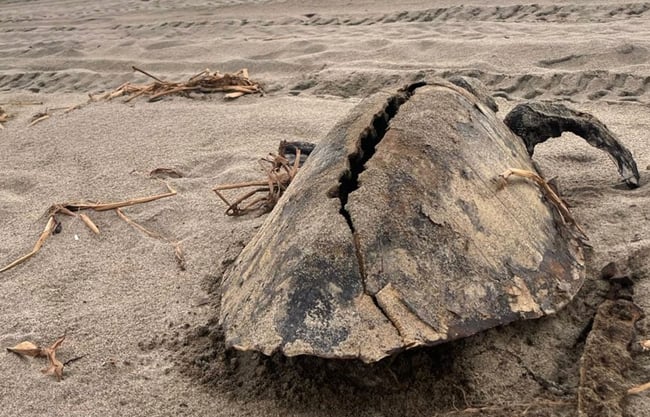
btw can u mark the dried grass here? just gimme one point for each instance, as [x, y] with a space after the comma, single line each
[206, 82]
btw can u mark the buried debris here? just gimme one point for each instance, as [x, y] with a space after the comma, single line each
[280, 170]
[53, 226]
[394, 236]
[606, 358]
[55, 366]
[234, 85]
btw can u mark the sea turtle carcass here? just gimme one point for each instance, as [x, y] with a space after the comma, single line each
[395, 234]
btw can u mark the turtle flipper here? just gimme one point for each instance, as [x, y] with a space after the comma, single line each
[535, 122]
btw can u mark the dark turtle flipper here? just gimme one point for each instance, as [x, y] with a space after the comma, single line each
[535, 122]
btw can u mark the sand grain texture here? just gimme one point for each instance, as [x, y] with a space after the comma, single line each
[148, 329]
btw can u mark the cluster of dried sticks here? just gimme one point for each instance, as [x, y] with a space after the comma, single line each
[234, 85]
[53, 225]
[280, 170]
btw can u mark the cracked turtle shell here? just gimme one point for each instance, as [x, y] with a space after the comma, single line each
[395, 234]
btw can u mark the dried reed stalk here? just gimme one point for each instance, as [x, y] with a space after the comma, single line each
[548, 191]
[639, 388]
[71, 209]
[76, 206]
[39, 117]
[21, 103]
[47, 232]
[178, 250]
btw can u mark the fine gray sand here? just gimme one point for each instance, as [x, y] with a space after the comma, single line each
[147, 330]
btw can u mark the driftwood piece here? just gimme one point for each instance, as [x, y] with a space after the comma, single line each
[535, 122]
[394, 235]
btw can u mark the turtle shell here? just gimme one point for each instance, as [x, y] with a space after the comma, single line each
[395, 234]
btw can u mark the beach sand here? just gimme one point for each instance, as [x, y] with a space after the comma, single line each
[146, 331]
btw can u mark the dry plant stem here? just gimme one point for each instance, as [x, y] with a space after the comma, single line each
[75, 107]
[478, 410]
[549, 192]
[40, 119]
[178, 250]
[147, 74]
[119, 204]
[231, 95]
[138, 226]
[172, 91]
[91, 225]
[240, 185]
[47, 232]
[232, 206]
[200, 74]
[639, 388]
[55, 367]
[72, 360]
[21, 103]
[70, 209]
